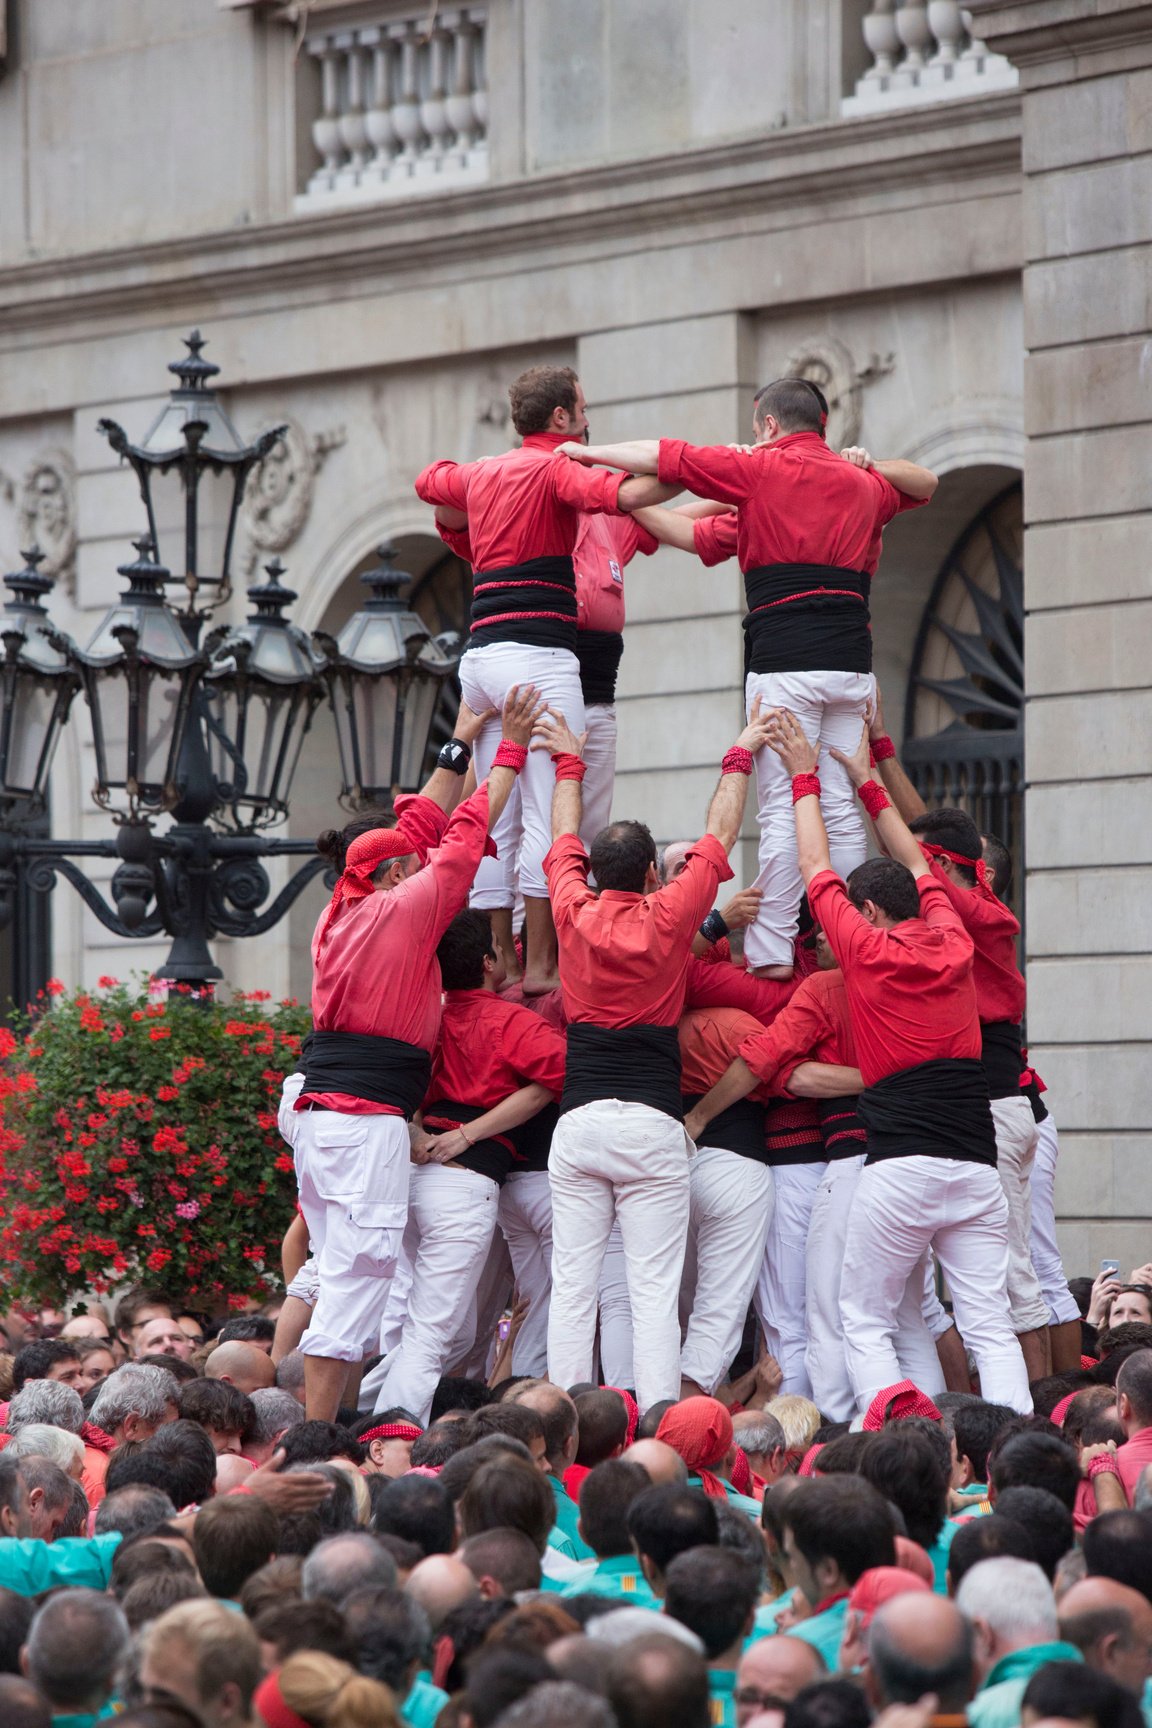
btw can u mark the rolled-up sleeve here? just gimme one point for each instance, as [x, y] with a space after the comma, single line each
[443, 483]
[715, 538]
[593, 490]
[709, 470]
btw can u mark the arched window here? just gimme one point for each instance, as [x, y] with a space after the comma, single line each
[964, 719]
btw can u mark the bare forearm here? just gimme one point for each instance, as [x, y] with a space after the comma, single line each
[567, 808]
[726, 811]
[500, 784]
[900, 789]
[444, 789]
[637, 456]
[811, 839]
[670, 527]
[824, 1080]
[517, 1108]
[908, 477]
[899, 842]
[735, 1083]
[641, 490]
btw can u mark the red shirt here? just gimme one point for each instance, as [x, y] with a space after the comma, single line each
[1131, 1459]
[716, 537]
[604, 545]
[910, 990]
[624, 958]
[711, 984]
[377, 972]
[1000, 991]
[798, 502]
[489, 1048]
[524, 504]
[814, 1027]
[708, 1039]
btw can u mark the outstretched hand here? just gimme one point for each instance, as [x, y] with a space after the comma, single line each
[859, 764]
[757, 732]
[301, 1491]
[790, 741]
[741, 910]
[577, 452]
[523, 707]
[469, 725]
[554, 734]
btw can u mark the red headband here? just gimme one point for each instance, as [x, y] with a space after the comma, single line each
[896, 1403]
[269, 1702]
[391, 1431]
[361, 862]
[976, 864]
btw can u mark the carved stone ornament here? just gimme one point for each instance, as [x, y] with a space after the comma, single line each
[47, 511]
[278, 497]
[826, 362]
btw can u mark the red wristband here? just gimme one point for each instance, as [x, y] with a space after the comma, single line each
[874, 798]
[805, 786]
[883, 748]
[568, 767]
[510, 755]
[737, 761]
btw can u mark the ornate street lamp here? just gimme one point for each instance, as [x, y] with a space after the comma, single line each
[37, 684]
[192, 468]
[260, 692]
[384, 674]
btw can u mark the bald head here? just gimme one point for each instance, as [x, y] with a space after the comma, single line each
[1111, 1625]
[674, 859]
[439, 1584]
[558, 1414]
[244, 1366]
[918, 1644]
[661, 1462]
[779, 1667]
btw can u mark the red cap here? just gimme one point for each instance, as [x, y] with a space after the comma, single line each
[896, 1403]
[878, 1585]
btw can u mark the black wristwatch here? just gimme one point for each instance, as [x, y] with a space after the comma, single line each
[713, 927]
[455, 756]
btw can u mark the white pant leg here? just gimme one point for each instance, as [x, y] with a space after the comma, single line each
[392, 1323]
[890, 1228]
[830, 707]
[599, 769]
[1016, 1139]
[617, 1349]
[651, 1185]
[827, 1230]
[971, 1244]
[494, 887]
[730, 1210]
[473, 1349]
[525, 1216]
[583, 1210]
[1046, 1259]
[488, 674]
[452, 1218]
[915, 1337]
[780, 1287]
[353, 1177]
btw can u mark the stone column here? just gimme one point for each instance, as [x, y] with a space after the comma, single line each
[1086, 88]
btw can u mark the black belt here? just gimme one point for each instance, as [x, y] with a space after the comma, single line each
[807, 618]
[937, 1109]
[634, 1064]
[533, 602]
[380, 1070]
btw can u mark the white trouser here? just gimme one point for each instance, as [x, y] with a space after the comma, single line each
[902, 1208]
[830, 707]
[730, 1210]
[306, 1284]
[525, 1217]
[352, 1172]
[486, 676]
[451, 1218]
[1015, 1152]
[779, 1295]
[614, 1159]
[917, 1318]
[472, 1351]
[617, 1351]
[1046, 1258]
[599, 769]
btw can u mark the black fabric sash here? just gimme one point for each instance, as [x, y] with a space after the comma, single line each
[382, 1070]
[635, 1064]
[491, 1158]
[1000, 1052]
[1035, 1098]
[807, 618]
[738, 1129]
[841, 1129]
[792, 1133]
[599, 653]
[534, 603]
[937, 1110]
[533, 1140]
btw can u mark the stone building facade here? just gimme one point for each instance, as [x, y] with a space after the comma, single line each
[378, 212]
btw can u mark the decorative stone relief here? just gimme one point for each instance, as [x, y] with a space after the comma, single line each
[827, 362]
[47, 513]
[278, 497]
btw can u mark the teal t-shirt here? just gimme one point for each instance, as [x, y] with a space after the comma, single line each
[997, 1704]
[28, 1565]
[565, 1535]
[619, 1577]
[765, 1618]
[722, 1697]
[423, 1703]
[825, 1632]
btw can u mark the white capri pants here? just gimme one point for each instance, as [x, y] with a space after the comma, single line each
[830, 707]
[1046, 1258]
[486, 676]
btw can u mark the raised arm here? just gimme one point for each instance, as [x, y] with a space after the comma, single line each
[890, 826]
[557, 737]
[641, 490]
[523, 711]
[907, 477]
[896, 783]
[445, 786]
[726, 811]
[636, 456]
[799, 757]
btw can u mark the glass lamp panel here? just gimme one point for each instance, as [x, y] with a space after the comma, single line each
[374, 701]
[268, 712]
[294, 743]
[158, 713]
[420, 707]
[214, 499]
[31, 727]
[169, 516]
[108, 699]
[277, 655]
[341, 693]
[223, 706]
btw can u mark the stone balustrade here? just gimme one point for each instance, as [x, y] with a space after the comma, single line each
[403, 107]
[923, 51]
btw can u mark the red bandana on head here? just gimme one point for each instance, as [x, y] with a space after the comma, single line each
[632, 1408]
[976, 864]
[896, 1403]
[391, 1431]
[700, 1429]
[361, 862]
